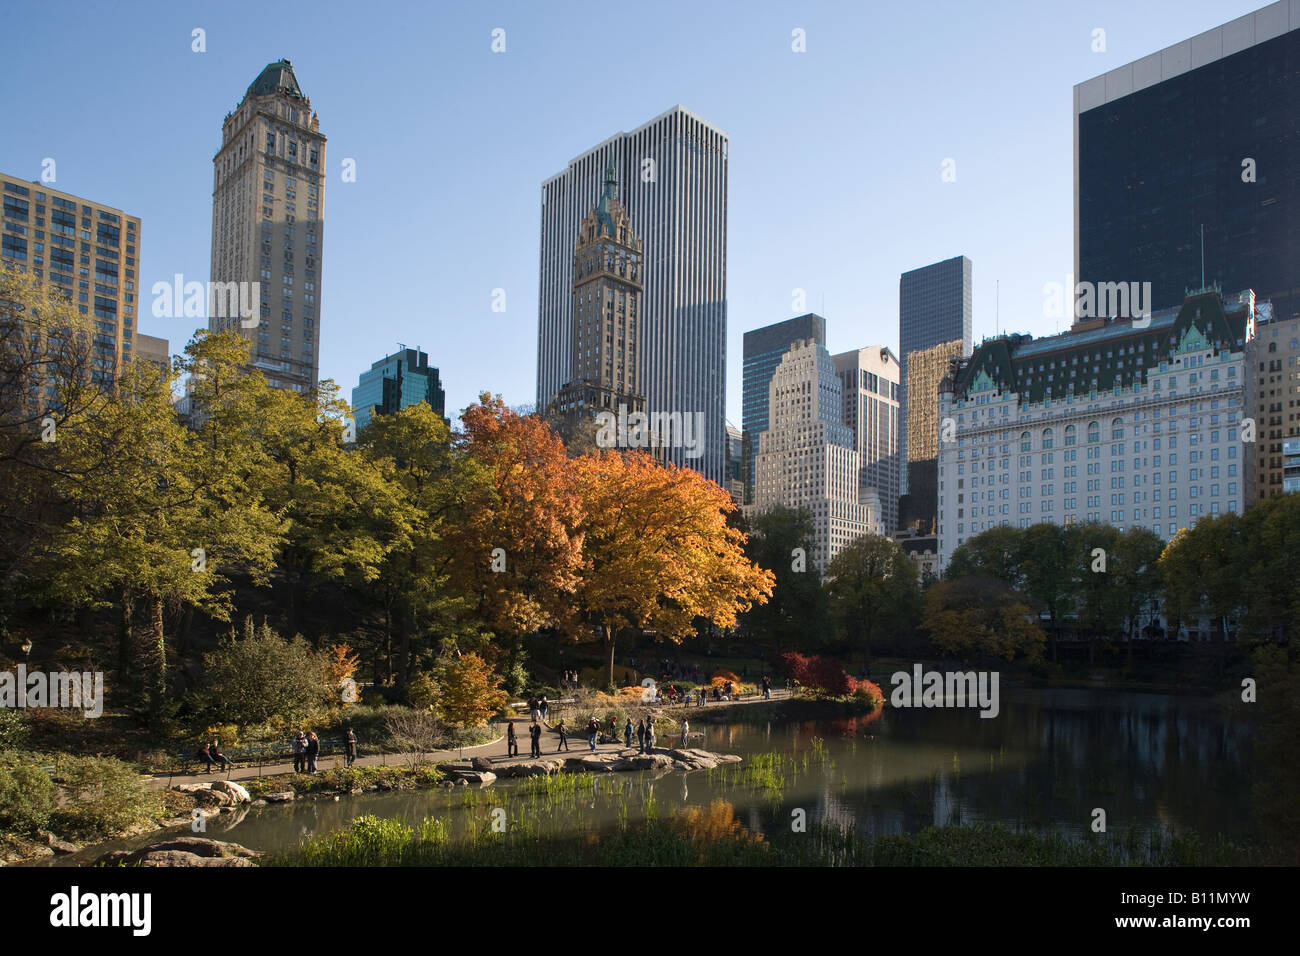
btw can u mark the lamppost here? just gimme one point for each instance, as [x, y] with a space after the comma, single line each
[27, 649]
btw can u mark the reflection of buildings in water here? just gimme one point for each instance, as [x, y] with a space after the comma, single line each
[943, 801]
[834, 811]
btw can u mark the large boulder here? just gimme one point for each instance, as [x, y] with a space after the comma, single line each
[651, 761]
[213, 798]
[285, 796]
[183, 851]
[481, 763]
[531, 768]
[472, 776]
[237, 792]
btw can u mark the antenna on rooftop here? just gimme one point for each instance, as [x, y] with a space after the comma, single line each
[1202, 256]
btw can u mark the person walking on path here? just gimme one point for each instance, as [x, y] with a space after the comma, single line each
[350, 747]
[218, 756]
[767, 687]
[686, 725]
[512, 742]
[593, 732]
[532, 710]
[205, 757]
[545, 706]
[649, 734]
[640, 735]
[299, 752]
[564, 737]
[627, 733]
[535, 736]
[313, 750]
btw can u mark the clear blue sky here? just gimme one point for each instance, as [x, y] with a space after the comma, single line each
[836, 153]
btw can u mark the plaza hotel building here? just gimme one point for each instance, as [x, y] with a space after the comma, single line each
[1118, 421]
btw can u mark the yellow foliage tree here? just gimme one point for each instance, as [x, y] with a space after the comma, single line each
[658, 552]
[470, 693]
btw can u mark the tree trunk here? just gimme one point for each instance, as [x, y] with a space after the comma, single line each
[609, 639]
[124, 635]
[155, 658]
[183, 632]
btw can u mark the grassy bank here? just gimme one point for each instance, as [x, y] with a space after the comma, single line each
[714, 837]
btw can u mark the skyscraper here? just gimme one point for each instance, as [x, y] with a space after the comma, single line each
[674, 171]
[871, 397]
[806, 459]
[86, 249]
[762, 352]
[919, 508]
[934, 306]
[607, 291]
[395, 382]
[1202, 133]
[268, 198]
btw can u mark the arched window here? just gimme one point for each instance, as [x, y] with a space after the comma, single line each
[1272, 347]
[1117, 429]
[1047, 438]
[1025, 443]
[1070, 435]
[1094, 432]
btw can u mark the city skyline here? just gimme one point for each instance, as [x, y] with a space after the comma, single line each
[446, 212]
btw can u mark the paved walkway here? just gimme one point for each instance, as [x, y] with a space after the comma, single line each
[494, 751]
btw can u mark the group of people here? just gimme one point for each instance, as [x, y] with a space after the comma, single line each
[306, 750]
[210, 753]
[538, 707]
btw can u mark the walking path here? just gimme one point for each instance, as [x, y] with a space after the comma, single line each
[494, 751]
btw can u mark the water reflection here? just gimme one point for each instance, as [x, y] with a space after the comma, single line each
[1151, 760]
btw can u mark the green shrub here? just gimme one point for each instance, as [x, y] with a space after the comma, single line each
[101, 796]
[13, 730]
[262, 675]
[27, 797]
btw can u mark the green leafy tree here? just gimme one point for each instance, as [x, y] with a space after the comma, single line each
[981, 617]
[873, 588]
[797, 614]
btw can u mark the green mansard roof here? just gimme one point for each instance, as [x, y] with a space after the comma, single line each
[276, 78]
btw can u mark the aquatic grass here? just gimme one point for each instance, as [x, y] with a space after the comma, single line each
[715, 837]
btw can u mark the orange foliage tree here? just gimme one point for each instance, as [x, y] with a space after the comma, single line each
[658, 552]
[527, 508]
[469, 692]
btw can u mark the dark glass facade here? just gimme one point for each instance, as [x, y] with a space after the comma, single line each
[763, 349]
[396, 382]
[1157, 164]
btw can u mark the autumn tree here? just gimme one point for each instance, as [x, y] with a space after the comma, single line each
[469, 693]
[658, 551]
[518, 548]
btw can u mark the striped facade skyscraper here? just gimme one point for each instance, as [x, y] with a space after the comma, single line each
[673, 176]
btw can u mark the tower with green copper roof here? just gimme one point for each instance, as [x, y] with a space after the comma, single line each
[268, 223]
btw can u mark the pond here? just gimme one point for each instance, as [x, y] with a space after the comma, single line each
[1151, 761]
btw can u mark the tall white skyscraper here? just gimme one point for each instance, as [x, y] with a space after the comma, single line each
[871, 378]
[673, 181]
[268, 207]
[806, 457]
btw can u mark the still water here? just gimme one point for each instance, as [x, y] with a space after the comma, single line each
[1151, 761]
